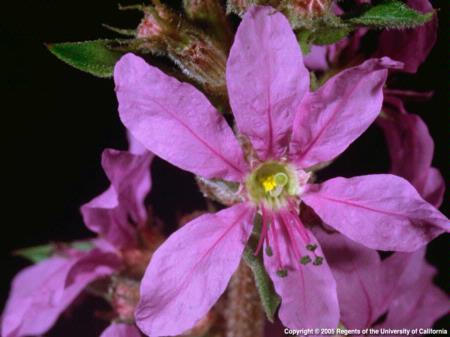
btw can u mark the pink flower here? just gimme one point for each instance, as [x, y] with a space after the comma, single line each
[119, 212]
[40, 293]
[291, 130]
[411, 148]
[400, 286]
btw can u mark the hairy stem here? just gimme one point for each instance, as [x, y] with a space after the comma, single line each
[244, 314]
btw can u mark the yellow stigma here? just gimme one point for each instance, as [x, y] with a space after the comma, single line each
[268, 183]
[274, 183]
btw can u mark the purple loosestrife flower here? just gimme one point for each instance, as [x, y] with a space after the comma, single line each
[291, 130]
[119, 213]
[400, 287]
[40, 293]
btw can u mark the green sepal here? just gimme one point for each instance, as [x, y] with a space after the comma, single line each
[388, 14]
[39, 253]
[94, 57]
[269, 298]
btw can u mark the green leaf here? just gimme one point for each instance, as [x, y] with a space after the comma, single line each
[330, 35]
[94, 57]
[389, 14]
[37, 253]
[269, 298]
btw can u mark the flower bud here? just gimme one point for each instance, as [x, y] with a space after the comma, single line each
[124, 297]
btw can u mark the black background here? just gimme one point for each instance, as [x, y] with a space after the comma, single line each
[56, 121]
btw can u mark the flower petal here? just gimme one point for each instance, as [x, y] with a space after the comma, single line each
[120, 210]
[332, 117]
[434, 188]
[380, 211]
[190, 270]
[416, 301]
[39, 295]
[410, 46]
[411, 150]
[135, 146]
[92, 265]
[121, 330]
[308, 292]
[359, 278]
[175, 121]
[266, 79]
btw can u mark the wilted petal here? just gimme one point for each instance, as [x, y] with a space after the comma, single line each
[359, 279]
[434, 188]
[175, 121]
[39, 295]
[379, 211]
[190, 270]
[332, 117]
[411, 150]
[92, 265]
[410, 46]
[308, 292]
[416, 301]
[121, 330]
[266, 79]
[120, 210]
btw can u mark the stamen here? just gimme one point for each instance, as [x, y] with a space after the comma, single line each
[293, 244]
[300, 228]
[275, 243]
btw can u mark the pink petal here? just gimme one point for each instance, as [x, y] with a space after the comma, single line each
[332, 117]
[434, 188]
[411, 150]
[416, 301]
[92, 265]
[308, 292]
[317, 58]
[121, 330]
[175, 121]
[359, 278]
[410, 46]
[266, 80]
[135, 146]
[39, 296]
[379, 211]
[119, 211]
[190, 271]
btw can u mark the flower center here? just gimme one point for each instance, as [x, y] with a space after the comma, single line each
[273, 182]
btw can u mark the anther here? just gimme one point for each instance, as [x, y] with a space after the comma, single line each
[311, 246]
[305, 260]
[282, 272]
[269, 251]
[318, 261]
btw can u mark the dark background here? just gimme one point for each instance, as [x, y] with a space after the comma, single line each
[57, 120]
